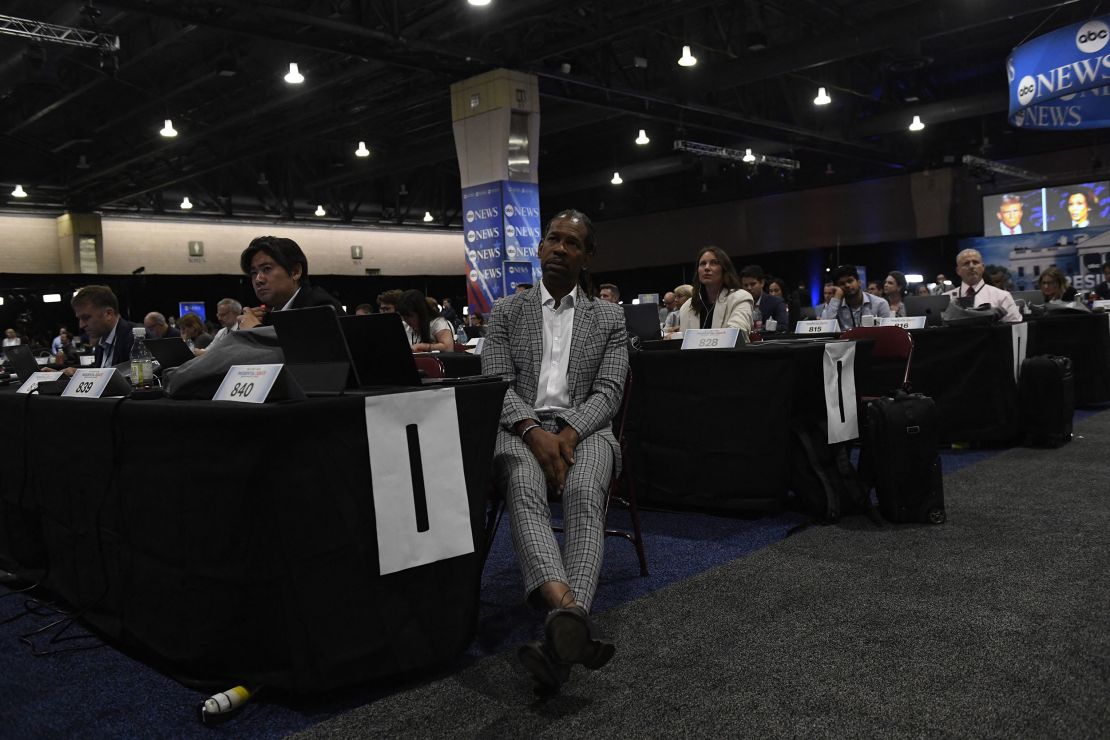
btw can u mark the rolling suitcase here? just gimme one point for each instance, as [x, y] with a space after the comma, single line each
[1046, 392]
[902, 439]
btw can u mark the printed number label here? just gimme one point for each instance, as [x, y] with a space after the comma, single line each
[242, 390]
[816, 329]
[84, 386]
[708, 342]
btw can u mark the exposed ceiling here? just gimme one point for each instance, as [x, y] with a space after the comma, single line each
[80, 127]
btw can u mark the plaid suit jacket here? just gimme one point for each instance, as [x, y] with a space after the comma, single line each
[596, 370]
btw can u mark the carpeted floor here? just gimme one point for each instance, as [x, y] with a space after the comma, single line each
[996, 624]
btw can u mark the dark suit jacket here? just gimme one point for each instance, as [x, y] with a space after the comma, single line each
[121, 348]
[308, 297]
[773, 307]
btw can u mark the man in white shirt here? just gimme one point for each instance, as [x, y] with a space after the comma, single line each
[227, 313]
[969, 266]
[564, 354]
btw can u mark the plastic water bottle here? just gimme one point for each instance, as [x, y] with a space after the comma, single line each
[142, 362]
[757, 318]
[460, 335]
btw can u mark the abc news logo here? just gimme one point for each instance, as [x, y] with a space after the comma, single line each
[1092, 36]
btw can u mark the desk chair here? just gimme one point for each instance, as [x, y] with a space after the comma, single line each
[622, 480]
[891, 343]
[429, 366]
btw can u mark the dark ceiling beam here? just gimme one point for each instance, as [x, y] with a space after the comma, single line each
[924, 20]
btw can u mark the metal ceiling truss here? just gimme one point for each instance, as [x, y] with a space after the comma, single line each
[38, 31]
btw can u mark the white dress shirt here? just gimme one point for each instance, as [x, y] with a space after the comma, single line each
[1007, 231]
[553, 390]
[109, 344]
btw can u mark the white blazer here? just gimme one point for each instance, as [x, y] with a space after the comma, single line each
[733, 311]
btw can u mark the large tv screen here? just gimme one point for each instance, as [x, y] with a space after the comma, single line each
[1047, 209]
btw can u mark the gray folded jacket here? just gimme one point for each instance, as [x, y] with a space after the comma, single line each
[201, 376]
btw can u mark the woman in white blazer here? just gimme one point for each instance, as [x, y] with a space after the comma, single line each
[720, 302]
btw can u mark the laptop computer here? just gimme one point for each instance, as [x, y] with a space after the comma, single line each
[315, 349]
[1031, 297]
[642, 320]
[21, 361]
[380, 350]
[929, 306]
[170, 352]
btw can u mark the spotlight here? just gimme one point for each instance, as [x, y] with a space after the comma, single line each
[916, 124]
[643, 139]
[168, 130]
[320, 210]
[687, 59]
[185, 204]
[748, 156]
[616, 178]
[294, 76]
[362, 151]
[428, 217]
[19, 192]
[822, 97]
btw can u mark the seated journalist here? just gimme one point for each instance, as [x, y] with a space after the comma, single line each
[719, 302]
[278, 271]
[427, 331]
[850, 302]
[975, 291]
[564, 354]
[97, 310]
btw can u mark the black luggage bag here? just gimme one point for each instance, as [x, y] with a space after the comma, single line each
[902, 448]
[1046, 392]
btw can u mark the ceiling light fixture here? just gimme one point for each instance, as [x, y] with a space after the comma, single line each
[643, 139]
[822, 97]
[916, 124]
[428, 217]
[185, 204]
[168, 130]
[320, 210]
[51, 297]
[479, 3]
[687, 59]
[748, 156]
[362, 151]
[82, 162]
[294, 76]
[616, 178]
[19, 192]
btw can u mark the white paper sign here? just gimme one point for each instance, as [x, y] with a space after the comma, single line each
[32, 382]
[1101, 304]
[86, 360]
[1019, 334]
[840, 391]
[709, 338]
[247, 383]
[819, 326]
[416, 469]
[89, 382]
[906, 322]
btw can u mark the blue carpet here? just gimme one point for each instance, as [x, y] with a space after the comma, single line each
[102, 692]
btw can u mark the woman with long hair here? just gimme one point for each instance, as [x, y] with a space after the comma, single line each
[428, 332]
[719, 302]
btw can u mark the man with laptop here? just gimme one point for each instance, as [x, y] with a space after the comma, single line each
[974, 290]
[564, 355]
[278, 271]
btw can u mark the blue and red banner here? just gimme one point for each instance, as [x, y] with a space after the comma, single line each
[502, 232]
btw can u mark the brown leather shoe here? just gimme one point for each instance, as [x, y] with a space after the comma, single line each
[573, 638]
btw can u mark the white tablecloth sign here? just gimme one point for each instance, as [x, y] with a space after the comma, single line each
[1019, 334]
[840, 391]
[416, 469]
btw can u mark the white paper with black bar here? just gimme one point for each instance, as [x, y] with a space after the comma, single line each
[840, 391]
[1019, 334]
[416, 469]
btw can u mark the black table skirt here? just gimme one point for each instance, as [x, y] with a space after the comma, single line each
[1085, 338]
[710, 429]
[234, 544]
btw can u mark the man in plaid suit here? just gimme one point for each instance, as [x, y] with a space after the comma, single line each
[565, 355]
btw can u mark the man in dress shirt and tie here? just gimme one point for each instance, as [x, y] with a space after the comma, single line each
[97, 312]
[564, 354]
[969, 266]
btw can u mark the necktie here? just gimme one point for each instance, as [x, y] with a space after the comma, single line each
[970, 292]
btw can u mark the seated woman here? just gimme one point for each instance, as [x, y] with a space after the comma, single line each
[427, 332]
[1054, 285]
[719, 302]
[192, 331]
[776, 286]
[894, 290]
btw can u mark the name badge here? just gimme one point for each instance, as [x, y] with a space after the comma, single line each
[709, 338]
[906, 322]
[247, 383]
[89, 382]
[820, 326]
[32, 383]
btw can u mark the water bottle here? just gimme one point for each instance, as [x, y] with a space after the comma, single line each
[460, 335]
[757, 318]
[142, 363]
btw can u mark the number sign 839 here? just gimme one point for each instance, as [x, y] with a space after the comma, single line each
[84, 386]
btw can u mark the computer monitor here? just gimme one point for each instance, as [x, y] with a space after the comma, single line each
[197, 307]
[380, 349]
[642, 320]
[170, 352]
[929, 306]
[315, 349]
